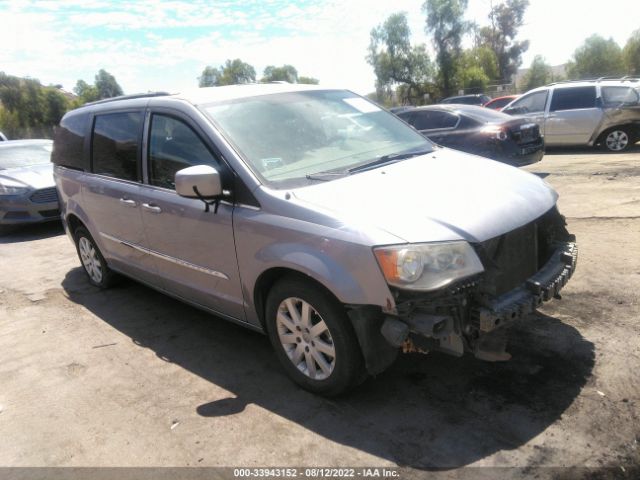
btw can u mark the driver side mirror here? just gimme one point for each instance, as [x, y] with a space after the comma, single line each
[200, 181]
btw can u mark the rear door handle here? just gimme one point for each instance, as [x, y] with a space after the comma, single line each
[152, 208]
[128, 203]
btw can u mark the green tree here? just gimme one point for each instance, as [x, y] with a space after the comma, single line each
[445, 22]
[596, 57]
[29, 109]
[505, 20]
[85, 92]
[476, 68]
[285, 73]
[210, 77]
[56, 106]
[539, 73]
[396, 62]
[106, 85]
[231, 73]
[308, 80]
[631, 54]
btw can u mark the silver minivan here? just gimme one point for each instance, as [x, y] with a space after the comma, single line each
[603, 113]
[312, 215]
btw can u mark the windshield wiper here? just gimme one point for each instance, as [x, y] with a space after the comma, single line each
[325, 176]
[391, 158]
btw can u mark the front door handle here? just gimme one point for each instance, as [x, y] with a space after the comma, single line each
[152, 208]
[128, 203]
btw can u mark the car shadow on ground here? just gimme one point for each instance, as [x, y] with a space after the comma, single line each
[25, 233]
[573, 150]
[425, 412]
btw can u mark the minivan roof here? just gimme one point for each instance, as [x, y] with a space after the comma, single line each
[199, 96]
[204, 95]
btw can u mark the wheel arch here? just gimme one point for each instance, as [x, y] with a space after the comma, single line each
[74, 222]
[267, 279]
[633, 127]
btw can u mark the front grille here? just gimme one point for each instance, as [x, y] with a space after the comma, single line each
[509, 259]
[45, 195]
[526, 133]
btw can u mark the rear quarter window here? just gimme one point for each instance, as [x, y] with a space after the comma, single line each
[619, 96]
[68, 144]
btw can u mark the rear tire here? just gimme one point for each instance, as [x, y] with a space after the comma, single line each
[617, 140]
[92, 260]
[313, 337]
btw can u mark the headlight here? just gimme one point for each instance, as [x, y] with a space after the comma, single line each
[11, 187]
[427, 266]
[496, 131]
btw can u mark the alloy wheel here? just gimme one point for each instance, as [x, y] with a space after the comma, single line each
[617, 140]
[305, 338]
[90, 259]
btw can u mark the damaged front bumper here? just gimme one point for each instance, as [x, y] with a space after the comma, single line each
[462, 318]
[522, 301]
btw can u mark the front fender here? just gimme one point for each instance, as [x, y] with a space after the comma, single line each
[318, 265]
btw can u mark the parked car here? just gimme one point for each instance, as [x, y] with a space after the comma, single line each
[3, 138]
[499, 103]
[480, 131]
[343, 245]
[479, 99]
[602, 113]
[27, 190]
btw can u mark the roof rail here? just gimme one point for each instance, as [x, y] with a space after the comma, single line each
[626, 78]
[129, 97]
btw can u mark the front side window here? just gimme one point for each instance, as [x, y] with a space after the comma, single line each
[532, 103]
[173, 146]
[115, 145]
[619, 96]
[288, 138]
[573, 98]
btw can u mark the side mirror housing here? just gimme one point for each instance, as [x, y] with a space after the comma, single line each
[199, 181]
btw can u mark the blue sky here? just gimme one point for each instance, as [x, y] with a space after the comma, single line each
[164, 45]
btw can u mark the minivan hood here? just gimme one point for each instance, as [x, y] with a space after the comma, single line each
[36, 176]
[444, 195]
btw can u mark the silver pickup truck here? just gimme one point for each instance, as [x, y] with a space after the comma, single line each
[314, 216]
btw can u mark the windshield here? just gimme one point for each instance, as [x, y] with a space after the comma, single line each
[12, 156]
[287, 138]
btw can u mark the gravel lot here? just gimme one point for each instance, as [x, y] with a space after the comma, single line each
[130, 377]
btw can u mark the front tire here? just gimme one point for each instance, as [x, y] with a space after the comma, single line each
[92, 260]
[313, 337]
[617, 139]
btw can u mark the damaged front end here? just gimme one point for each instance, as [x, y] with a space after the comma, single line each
[522, 269]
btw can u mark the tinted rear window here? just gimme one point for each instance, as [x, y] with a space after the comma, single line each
[115, 145]
[573, 98]
[433, 119]
[68, 144]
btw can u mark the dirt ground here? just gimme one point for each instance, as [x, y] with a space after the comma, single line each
[129, 377]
